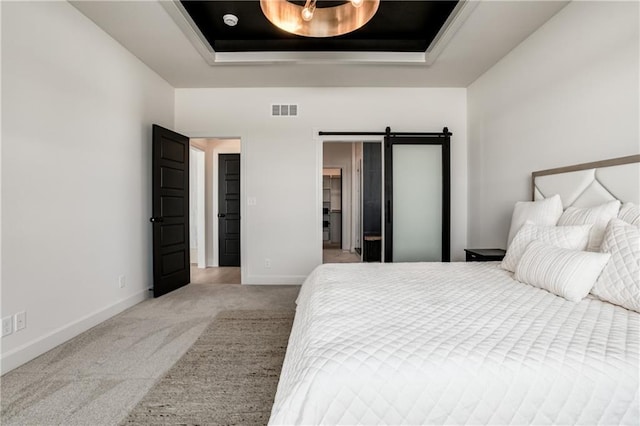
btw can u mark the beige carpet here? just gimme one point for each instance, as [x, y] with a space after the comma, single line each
[98, 377]
[228, 377]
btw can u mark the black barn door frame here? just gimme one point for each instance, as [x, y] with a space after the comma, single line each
[443, 139]
[432, 138]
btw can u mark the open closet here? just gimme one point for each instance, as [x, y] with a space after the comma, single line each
[332, 207]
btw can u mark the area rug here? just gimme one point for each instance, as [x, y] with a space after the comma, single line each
[228, 377]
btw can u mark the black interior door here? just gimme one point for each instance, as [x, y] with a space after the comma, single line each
[170, 193]
[229, 209]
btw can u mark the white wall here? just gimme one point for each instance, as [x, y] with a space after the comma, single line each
[568, 94]
[281, 158]
[338, 154]
[77, 110]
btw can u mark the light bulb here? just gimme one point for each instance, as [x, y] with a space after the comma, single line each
[309, 8]
[356, 3]
[307, 14]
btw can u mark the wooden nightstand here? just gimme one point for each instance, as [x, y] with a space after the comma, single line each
[484, 255]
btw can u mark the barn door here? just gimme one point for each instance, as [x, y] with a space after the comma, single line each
[417, 198]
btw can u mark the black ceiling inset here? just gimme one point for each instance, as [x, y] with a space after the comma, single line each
[398, 26]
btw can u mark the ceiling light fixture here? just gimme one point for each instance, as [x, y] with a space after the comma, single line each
[312, 21]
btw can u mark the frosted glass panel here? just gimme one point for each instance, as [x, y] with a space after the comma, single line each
[417, 203]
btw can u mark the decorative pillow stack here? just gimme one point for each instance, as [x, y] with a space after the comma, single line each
[597, 216]
[619, 282]
[544, 212]
[554, 258]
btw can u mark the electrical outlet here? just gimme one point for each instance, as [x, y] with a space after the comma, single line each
[20, 320]
[7, 326]
[267, 263]
[122, 281]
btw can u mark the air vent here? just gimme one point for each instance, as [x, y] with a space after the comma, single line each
[284, 110]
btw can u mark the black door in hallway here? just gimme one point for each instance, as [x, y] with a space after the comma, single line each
[229, 209]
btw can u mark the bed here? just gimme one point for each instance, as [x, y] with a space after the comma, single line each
[463, 343]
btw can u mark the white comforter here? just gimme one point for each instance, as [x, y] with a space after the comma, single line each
[453, 343]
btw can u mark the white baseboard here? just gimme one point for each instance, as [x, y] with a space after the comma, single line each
[37, 347]
[274, 279]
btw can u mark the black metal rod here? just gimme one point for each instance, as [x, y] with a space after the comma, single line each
[445, 132]
[321, 133]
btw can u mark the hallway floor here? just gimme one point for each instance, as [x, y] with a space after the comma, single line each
[220, 275]
[337, 255]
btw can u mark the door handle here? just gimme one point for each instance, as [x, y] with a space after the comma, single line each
[156, 219]
[222, 215]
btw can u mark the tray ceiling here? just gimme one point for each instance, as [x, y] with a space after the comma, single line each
[149, 30]
[398, 26]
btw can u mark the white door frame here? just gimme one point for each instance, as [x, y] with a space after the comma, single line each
[318, 141]
[200, 203]
[244, 249]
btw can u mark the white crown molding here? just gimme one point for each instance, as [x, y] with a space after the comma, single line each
[183, 20]
[458, 16]
[455, 20]
[319, 57]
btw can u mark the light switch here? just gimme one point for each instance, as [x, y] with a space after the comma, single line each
[20, 320]
[7, 326]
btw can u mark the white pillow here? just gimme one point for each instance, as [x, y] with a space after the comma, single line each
[620, 280]
[630, 213]
[569, 237]
[597, 216]
[563, 272]
[543, 212]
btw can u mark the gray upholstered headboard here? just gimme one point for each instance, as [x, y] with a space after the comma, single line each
[589, 184]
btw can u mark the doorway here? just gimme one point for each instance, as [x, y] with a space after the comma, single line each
[212, 270]
[332, 212]
[349, 181]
